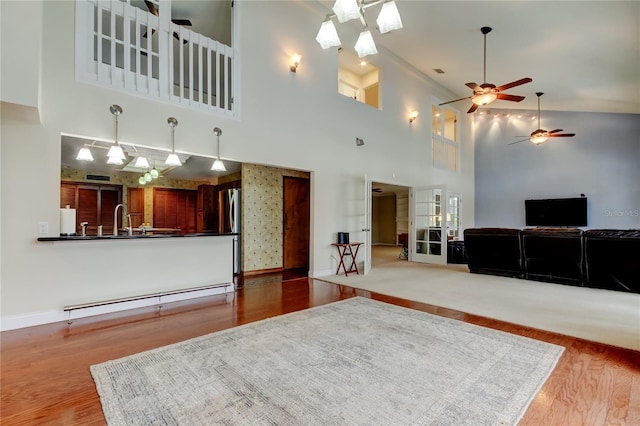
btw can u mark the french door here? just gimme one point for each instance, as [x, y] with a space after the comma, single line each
[428, 229]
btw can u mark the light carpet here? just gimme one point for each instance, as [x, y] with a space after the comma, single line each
[352, 362]
[605, 316]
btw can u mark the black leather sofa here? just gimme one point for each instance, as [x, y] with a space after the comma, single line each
[494, 251]
[553, 255]
[613, 259]
[598, 258]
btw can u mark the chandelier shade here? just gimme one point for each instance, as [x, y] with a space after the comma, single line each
[389, 18]
[346, 10]
[365, 45]
[327, 35]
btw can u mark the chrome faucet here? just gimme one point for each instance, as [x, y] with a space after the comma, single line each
[129, 228]
[115, 218]
[83, 225]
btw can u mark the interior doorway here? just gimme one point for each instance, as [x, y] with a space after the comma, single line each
[389, 222]
[295, 224]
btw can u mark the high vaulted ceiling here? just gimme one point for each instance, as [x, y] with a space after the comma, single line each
[584, 55]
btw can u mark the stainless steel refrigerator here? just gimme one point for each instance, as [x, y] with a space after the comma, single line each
[234, 200]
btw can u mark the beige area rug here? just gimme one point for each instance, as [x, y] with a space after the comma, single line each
[605, 316]
[352, 362]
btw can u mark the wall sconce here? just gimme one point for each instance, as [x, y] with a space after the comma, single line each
[413, 116]
[295, 61]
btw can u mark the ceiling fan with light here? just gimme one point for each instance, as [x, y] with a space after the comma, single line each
[540, 135]
[486, 93]
[154, 11]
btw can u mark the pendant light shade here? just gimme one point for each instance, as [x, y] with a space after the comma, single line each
[218, 165]
[346, 10]
[389, 18]
[142, 163]
[173, 159]
[365, 45]
[154, 173]
[327, 35]
[142, 180]
[115, 161]
[84, 154]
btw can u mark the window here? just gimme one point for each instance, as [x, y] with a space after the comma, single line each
[444, 137]
[358, 79]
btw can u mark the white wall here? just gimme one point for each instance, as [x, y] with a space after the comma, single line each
[292, 120]
[602, 161]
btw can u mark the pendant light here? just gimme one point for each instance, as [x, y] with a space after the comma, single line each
[173, 159]
[142, 163]
[115, 154]
[84, 154]
[218, 165]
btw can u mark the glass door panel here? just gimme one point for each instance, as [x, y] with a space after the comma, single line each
[429, 238]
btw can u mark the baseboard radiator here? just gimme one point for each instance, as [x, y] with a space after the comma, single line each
[114, 305]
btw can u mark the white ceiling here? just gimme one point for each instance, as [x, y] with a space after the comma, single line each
[584, 55]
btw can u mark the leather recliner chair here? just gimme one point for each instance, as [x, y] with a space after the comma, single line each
[553, 255]
[494, 251]
[613, 259]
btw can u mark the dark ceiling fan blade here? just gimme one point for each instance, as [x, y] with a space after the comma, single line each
[461, 99]
[183, 22]
[514, 84]
[473, 86]
[512, 98]
[562, 135]
[554, 131]
[177, 37]
[151, 7]
[522, 140]
[473, 108]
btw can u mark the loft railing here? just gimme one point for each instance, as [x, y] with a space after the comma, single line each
[445, 153]
[127, 48]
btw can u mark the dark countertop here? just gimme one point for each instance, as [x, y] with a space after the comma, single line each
[130, 237]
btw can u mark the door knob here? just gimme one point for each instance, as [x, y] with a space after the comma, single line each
[366, 229]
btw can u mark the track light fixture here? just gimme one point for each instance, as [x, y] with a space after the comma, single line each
[346, 10]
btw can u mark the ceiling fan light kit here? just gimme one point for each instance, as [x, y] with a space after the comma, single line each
[540, 135]
[346, 10]
[486, 93]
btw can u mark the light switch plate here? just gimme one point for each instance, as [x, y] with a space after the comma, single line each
[43, 228]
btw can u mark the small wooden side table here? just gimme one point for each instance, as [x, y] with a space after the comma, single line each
[350, 249]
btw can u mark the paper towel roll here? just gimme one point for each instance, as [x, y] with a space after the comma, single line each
[67, 221]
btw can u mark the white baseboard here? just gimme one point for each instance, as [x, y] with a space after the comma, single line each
[46, 317]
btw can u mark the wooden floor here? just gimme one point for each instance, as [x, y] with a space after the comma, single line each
[46, 379]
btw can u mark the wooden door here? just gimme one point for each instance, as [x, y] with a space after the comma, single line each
[295, 238]
[135, 205]
[175, 209]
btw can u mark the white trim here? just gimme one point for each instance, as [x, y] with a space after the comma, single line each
[46, 317]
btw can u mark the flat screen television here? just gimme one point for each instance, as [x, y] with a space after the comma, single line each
[556, 212]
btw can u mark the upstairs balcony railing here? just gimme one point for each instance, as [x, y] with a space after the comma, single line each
[127, 48]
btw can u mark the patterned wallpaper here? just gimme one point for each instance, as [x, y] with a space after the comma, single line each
[262, 216]
[127, 179]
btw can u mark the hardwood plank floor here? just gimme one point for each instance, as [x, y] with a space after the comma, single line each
[46, 379]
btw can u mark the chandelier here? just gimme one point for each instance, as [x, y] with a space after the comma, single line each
[346, 10]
